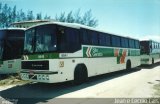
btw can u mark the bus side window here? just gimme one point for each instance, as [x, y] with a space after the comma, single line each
[131, 43]
[108, 39]
[136, 44]
[115, 41]
[127, 42]
[123, 42]
[152, 45]
[72, 38]
[102, 40]
[61, 42]
[93, 37]
[85, 37]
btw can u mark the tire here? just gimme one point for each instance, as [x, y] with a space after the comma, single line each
[80, 74]
[128, 65]
[152, 61]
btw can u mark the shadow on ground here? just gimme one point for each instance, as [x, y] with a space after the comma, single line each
[41, 92]
[149, 66]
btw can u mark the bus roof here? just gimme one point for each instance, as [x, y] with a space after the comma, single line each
[78, 26]
[150, 40]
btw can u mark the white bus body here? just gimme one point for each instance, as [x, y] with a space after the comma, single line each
[53, 67]
[11, 46]
[150, 52]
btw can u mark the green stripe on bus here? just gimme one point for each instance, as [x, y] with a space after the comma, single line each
[91, 52]
[1, 62]
[121, 54]
[108, 52]
[41, 56]
[97, 52]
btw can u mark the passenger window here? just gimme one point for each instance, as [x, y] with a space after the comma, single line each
[94, 37]
[72, 39]
[115, 41]
[136, 44]
[131, 43]
[102, 39]
[85, 37]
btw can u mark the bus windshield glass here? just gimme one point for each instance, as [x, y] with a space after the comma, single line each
[2, 33]
[29, 39]
[145, 47]
[13, 44]
[40, 39]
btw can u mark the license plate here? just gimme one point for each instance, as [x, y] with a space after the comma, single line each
[32, 76]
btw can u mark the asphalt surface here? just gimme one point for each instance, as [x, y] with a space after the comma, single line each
[136, 83]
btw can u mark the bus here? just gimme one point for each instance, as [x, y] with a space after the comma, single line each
[59, 52]
[11, 48]
[150, 52]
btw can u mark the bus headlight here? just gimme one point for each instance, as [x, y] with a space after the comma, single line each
[43, 77]
[39, 77]
[47, 77]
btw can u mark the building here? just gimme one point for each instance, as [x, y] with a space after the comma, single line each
[27, 24]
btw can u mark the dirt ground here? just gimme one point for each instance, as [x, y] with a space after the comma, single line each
[9, 81]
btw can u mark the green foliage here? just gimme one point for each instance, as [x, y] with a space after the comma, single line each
[76, 17]
[39, 16]
[9, 15]
[30, 15]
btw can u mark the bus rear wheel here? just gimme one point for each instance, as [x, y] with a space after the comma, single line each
[128, 65]
[80, 74]
[152, 60]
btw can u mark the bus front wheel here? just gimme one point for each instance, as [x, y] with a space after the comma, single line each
[80, 74]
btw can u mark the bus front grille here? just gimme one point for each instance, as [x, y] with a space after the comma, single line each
[35, 65]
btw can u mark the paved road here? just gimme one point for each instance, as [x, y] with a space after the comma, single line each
[137, 83]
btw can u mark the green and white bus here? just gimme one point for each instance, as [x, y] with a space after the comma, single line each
[150, 52]
[11, 48]
[59, 52]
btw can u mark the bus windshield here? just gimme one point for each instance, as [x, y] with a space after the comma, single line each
[145, 47]
[1, 43]
[13, 44]
[29, 39]
[40, 39]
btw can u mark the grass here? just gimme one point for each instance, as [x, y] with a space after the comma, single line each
[12, 80]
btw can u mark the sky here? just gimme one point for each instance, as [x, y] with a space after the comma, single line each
[133, 18]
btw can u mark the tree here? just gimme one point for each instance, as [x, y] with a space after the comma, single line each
[22, 15]
[9, 15]
[13, 14]
[86, 19]
[77, 16]
[4, 14]
[0, 14]
[39, 16]
[61, 18]
[89, 20]
[70, 17]
[30, 15]
[47, 17]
